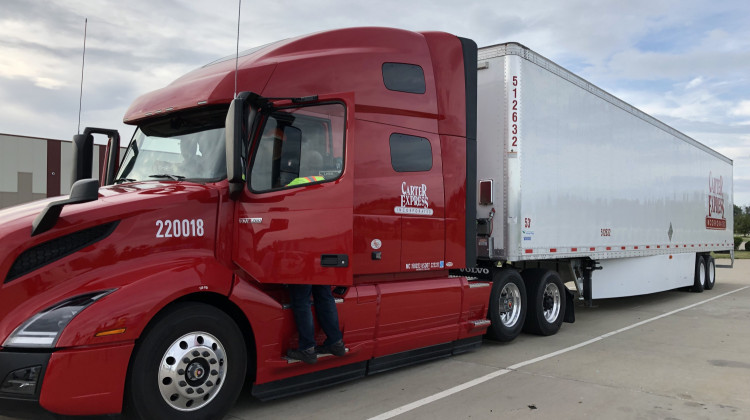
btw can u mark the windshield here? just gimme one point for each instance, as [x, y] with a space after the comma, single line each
[187, 146]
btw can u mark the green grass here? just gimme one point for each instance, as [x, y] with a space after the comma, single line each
[738, 255]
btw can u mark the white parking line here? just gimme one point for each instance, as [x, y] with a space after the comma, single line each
[466, 385]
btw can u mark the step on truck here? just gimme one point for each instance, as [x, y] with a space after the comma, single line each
[446, 193]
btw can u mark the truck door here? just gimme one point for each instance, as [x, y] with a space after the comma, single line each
[294, 218]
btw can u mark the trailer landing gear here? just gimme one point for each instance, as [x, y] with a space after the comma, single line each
[588, 269]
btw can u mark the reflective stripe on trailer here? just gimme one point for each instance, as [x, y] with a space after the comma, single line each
[564, 250]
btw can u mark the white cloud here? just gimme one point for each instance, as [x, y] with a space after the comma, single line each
[742, 109]
[48, 83]
[44, 70]
[699, 103]
[694, 83]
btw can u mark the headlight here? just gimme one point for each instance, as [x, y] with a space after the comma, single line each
[43, 329]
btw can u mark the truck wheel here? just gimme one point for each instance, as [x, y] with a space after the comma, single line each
[700, 275]
[191, 364]
[507, 305]
[546, 308]
[710, 273]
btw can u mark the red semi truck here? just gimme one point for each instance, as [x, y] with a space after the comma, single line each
[349, 158]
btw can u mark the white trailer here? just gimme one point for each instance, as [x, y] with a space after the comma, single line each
[572, 179]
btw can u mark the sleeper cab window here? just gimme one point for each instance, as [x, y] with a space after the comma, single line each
[299, 146]
[402, 77]
[410, 153]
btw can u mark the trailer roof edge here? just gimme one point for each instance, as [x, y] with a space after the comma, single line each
[514, 48]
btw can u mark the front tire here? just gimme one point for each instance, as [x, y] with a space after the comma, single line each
[191, 364]
[507, 305]
[546, 301]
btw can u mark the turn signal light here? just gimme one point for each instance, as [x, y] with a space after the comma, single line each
[110, 332]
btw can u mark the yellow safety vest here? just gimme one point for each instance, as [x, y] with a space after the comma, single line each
[305, 180]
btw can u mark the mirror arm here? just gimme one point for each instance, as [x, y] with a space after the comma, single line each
[82, 191]
[83, 154]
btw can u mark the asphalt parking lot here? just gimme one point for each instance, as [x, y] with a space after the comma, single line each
[671, 355]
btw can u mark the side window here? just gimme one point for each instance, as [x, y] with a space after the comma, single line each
[410, 153]
[401, 77]
[299, 146]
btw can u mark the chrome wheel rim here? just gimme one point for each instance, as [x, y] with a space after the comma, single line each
[551, 302]
[510, 317]
[192, 371]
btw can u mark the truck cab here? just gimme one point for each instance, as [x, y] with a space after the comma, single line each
[346, 159]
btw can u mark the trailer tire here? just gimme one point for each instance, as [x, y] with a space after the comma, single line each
[190, 364]
[700, 275]
[507, 305]
[708, 284]
[546, 301]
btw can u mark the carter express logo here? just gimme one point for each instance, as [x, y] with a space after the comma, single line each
[715, 219]
[414, 200]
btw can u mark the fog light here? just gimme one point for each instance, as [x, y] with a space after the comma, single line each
[21, 381]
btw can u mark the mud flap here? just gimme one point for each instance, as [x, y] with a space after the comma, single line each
[570, 314]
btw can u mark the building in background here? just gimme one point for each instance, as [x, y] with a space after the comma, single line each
[32, 168]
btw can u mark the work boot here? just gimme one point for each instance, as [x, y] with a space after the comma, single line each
[337, 349]
[309, 356]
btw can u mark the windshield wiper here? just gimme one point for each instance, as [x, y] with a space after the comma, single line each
[121, 180]
[172, 177]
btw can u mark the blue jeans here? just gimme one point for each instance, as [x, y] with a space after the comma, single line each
[325, 309]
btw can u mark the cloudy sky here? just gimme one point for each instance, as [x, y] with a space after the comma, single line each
[687, 62]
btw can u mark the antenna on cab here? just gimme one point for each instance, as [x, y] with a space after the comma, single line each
[83, 62]
[237, 53]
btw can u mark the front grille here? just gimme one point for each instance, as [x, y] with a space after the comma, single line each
[55, 249]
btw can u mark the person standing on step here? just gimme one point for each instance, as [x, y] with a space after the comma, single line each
[325, 309]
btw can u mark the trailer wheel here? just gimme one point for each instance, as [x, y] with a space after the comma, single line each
[546, 301]
[507, 305]
[700, 275]
[710, 273]
[191, 364]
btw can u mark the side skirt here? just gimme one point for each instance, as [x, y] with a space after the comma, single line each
[321, 379]
[310, 381]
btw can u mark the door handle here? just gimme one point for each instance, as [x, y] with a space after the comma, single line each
[334, 260]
